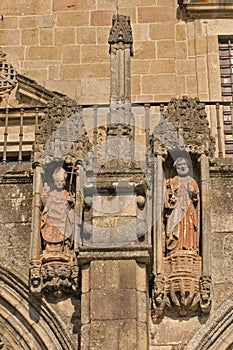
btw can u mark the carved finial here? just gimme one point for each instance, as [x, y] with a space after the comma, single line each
[121, 31]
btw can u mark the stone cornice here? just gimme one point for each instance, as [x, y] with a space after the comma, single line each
[201, 9]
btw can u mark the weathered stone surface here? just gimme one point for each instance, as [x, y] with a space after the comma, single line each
[116, 304]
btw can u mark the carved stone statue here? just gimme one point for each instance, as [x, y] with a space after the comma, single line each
[182, 210]
[57, 217]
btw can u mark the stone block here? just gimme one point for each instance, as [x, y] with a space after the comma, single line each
[61, 5]
[174, 332]
[201, 69]
[86, 36]
[145, 50]
[181, 50]
[191, 47]
[180, 84]
[162, 66]
[70, 54]
[85, 308]
[24, 7]
[161, 31]
[141, 277]
[142, 307]
[14, 52]
[166, 2]
[106, 4]
[64, 36]
[155, 14]
[141, 32]
[94, 54]
[70, 88]
[9, 37]
[73, 19]
[69, 71]
[127, 274]
[113, 274]
[102, 35]
[102, 17]
[113, 304]
[29, 37]
[14, 245]
[54, 72]
[135, 87]
[138, 68]
[121, 3]
[185, 67]
[128, 335]
[166, 49]
[97, 274]
[40, 75]
[44, 53]
[142, 336]
[89, 88]
[180, 31]
[221, 292]
[85, 337]
[104, 335]
[9, 22]
[191, 81]
[158, 84]
[201, 45]
[130, 11]
[46, 36]
[212, 42]
[36, 22]
[85, 278]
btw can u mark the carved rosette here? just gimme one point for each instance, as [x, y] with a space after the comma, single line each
[183, 127]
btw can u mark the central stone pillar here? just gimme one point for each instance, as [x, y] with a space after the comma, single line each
[114, 306]
[115, 253]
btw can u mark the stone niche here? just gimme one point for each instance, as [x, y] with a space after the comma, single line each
[183, 147]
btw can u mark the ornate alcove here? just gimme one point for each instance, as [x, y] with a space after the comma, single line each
[58, 154]
[183, 147]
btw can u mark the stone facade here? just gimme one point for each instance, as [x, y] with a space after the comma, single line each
[116, 282]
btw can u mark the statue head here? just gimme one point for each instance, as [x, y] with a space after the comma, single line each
[182, 166]
[59, 178]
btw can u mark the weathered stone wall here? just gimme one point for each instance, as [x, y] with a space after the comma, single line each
[15, 226]
[63, 46]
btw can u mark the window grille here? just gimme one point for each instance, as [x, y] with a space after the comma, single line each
[226, 71]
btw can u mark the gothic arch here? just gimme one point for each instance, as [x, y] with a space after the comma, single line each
[25, 322]
[217, 334]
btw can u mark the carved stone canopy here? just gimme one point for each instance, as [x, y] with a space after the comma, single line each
[121, 32]
[183, 126]
[61, 134]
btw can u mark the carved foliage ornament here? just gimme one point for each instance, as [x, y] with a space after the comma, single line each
[183, 126]
[61, 133]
